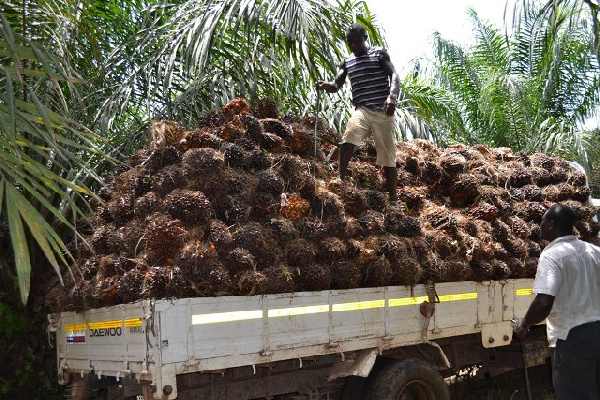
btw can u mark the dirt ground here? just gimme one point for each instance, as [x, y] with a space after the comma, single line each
[508, 386]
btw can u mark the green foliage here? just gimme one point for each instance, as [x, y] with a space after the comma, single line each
[197, 55]
[25, 372]
[43, 172]
[13, 324]
[529, 87]
[425, 109]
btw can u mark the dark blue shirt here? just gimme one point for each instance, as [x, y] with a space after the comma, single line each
[370, 83]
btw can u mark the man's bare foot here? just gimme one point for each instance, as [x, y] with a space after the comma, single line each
[394, 206]
[335, 184]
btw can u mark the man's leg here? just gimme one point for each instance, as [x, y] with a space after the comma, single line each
[346, 151]
[574, 363]
[598, 376]
[391, 176]
[356, 130]
[383, 128]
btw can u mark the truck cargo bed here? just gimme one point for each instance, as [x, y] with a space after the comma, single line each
[156, 340]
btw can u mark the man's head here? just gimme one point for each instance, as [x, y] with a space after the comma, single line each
[557, 221]
[356, 36]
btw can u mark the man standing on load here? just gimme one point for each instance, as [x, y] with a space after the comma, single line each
[567, 289]
[375, 88]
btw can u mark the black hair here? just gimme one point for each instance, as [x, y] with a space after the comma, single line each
[563, 217]
[356, 28]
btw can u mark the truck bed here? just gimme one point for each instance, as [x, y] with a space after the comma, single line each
[156, 340]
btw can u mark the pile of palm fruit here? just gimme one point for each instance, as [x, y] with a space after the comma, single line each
[247, 204]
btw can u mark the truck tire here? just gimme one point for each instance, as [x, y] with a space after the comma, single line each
[410, 379]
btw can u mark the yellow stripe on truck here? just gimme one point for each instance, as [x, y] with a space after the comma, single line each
[408, 301]
[132, 322]
[456, 297]
[524, 292]
[74, 327]
[359, 305]
[231, 316]
[286, 312]
[117, 323]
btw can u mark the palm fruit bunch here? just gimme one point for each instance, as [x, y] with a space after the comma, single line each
[295, 207]
[188, 206]
[267, 108]
[236, 107]
[165, 237]
[242, 205]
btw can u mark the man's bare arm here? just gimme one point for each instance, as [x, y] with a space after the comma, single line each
[390, 104]
[538, 311]
[338, 82]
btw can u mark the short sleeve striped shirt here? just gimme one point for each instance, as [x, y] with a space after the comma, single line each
[370, 83]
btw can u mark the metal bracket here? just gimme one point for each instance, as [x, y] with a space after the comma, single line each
[496, 334]
[427, 308]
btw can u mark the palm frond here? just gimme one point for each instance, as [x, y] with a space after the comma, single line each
[429, 112]
[511, 85]
[43, 174]
[578, 145]
[491, 49]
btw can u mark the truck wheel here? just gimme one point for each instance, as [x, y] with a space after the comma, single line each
[410, 379]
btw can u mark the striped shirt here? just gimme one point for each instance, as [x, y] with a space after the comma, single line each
[370, 83]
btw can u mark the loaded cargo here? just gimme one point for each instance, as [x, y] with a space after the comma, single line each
[227, 262]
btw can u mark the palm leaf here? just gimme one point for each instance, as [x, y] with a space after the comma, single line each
[244, 46]
[522, 89]
[19, 242]
[43, 167]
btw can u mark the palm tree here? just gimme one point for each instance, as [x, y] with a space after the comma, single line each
[202, 53]
[580, 143]
[579, 7]
[42, 173]
[81, 80]
[530, 89]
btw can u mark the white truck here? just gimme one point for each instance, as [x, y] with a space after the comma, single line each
[371, 343]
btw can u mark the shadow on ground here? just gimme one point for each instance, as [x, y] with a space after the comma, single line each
[508, 386]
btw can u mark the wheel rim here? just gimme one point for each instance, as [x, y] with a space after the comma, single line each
[417, 390]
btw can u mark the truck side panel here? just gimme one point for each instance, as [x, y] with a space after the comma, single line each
[107, 339]
[234, 331]
[158, 340]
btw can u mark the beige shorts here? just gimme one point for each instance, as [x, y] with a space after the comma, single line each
[365, 122]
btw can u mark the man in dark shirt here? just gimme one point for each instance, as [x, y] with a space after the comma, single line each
[375, 88]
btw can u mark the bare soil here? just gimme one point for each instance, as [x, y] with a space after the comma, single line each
[508, 386]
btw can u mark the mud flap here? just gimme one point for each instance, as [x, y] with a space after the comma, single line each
[360, 365]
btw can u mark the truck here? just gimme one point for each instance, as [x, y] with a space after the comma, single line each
[392, 342]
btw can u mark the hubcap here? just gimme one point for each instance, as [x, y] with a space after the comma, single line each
[417, 390]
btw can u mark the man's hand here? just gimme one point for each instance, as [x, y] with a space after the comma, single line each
[538, 310]
[520, 330]
[389, 107]
[329, 87]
